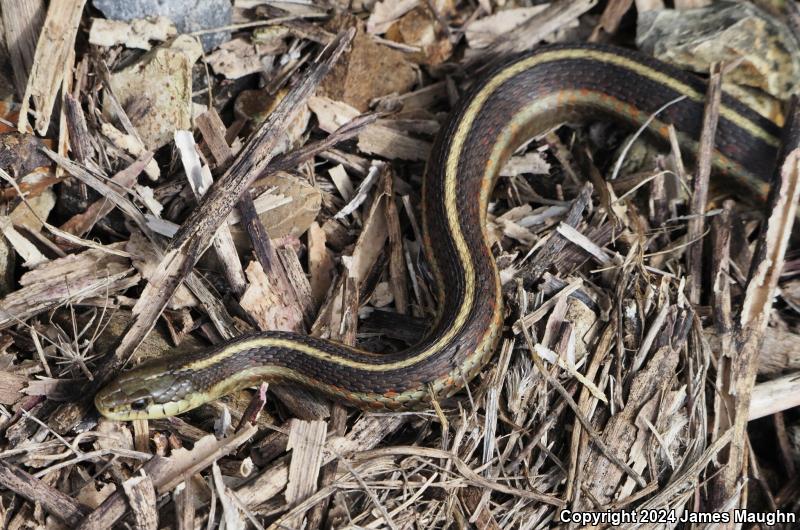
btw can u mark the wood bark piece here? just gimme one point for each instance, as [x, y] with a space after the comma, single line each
[483, 32]
[61, 506]
[184, 506]
[81, 223]
[701, 179]
[723, 319]
[387, 12]
[374, 139]
[213, 131]
[299, 205]
[320, 263]
[72, 278]
[142, 501]
[306, 441]
[397, 263]
[610, 19]
[11, 385]
[553, 247]
[368, 248]
[235, 59]
[369, 71]
[55, 45]
[776, 395]
[20, 155]
[134, 34]
[341, 322]
[425, 30]
[78, 132]
[469, 475]
[222, 321]
[780, 352]
[298, 281]
[601, 475]
[275, 280]
[200, 180]
[157, 90]
[765, 271]
[299, 27]
[129, 143]
[22, 22]
[30, 254]
[265, 302]
[231, 518]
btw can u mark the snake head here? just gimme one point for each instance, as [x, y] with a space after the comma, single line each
[148, 392]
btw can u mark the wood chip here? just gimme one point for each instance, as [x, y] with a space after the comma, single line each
[134, 34]
[156, 91]
[70, 279]
[52, 54]
[371, 70]
[306, 441]
[234, 59]
[386, 13]
[264, 302]
[142, 501]
[375, 139]
[22, 22]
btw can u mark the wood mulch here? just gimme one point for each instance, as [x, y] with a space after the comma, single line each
[158, 198]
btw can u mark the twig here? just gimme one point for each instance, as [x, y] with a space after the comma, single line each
[700, 196]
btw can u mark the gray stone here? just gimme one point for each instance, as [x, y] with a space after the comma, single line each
[188, 15]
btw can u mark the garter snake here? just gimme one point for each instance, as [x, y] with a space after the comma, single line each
[520, 99]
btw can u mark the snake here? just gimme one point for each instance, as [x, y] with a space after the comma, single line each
[519, 99]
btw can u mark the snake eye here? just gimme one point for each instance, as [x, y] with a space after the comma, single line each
[139, 404]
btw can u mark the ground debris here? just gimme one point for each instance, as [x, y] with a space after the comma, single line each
[169, 198]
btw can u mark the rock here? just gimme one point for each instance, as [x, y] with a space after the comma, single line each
[188, 15]
[726, 31]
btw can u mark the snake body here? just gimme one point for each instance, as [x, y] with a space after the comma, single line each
[520, 99]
